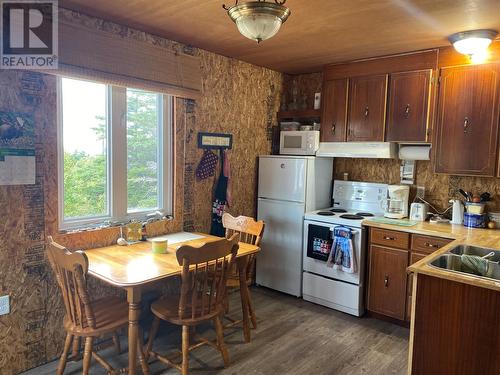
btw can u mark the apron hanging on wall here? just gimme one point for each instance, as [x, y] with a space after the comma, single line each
[220, 198]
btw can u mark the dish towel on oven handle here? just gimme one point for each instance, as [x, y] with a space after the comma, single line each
[342, 256]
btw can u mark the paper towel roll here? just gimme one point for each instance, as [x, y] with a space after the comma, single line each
[415, 152]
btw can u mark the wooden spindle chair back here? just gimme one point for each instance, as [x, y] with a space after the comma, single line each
[204, 276]
[71, 270]
[248, 230]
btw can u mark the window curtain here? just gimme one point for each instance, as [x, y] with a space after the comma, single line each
[103, 56]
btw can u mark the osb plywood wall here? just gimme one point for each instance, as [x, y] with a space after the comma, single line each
[242, 100]
[439, 188]
[23, 272]
[236, 98]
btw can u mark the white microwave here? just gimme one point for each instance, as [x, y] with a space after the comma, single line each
[299, 142]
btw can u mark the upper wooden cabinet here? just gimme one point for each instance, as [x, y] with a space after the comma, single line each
[467, 120]
[367, 103]
[409, 102]
[334, 110]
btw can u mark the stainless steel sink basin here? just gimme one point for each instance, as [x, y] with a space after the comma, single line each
[452, 261]
[474, 250]
[448, 262]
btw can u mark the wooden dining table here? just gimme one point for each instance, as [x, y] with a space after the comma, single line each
[135, 268]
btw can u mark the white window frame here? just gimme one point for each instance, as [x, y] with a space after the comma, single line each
[116, 116]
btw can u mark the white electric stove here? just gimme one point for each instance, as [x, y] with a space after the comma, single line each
[353, 202]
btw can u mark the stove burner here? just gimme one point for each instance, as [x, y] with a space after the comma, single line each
[364, 214]
[351, 217]
[338, 210]
[326, 213]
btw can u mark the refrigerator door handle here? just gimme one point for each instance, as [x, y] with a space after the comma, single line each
[280, 201]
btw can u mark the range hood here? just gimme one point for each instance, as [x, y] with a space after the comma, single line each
[367, 150]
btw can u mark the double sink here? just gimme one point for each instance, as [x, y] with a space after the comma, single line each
[470, 260]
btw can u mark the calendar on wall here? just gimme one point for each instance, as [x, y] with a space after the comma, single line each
[17, 149]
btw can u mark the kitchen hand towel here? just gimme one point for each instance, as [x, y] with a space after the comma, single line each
[207, 165]
[342, 256]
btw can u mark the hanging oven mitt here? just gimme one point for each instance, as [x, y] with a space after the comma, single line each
[207, 165]
[219, 203]
[342, 255]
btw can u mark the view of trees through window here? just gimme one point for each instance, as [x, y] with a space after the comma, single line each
[85, 148]
[85, 131]
[142, 150]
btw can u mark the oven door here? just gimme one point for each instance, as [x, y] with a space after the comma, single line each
[319, 242]
[318, 239]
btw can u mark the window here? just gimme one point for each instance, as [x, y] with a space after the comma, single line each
[115, 153]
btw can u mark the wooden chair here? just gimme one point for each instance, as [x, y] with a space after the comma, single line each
[249, 231]
[85, 318]
[203, 290]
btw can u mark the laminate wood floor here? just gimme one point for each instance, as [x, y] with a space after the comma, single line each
[293, 337]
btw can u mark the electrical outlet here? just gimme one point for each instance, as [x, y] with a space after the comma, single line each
[4, 305]
[421, 192]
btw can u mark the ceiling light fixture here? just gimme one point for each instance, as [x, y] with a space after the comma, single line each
[473, 43]
[258, 20]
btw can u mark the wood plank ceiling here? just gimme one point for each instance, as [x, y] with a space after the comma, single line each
[317, 33]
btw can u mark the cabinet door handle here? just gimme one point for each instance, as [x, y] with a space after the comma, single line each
[333, 128]
[388, 238]
[386, 281]
[466, 124]
[428, 244]
[367, 111]
[407, 111]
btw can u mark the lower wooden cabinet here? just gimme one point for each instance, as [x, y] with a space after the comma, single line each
[456, 329]
[390, 253]
[387, 290]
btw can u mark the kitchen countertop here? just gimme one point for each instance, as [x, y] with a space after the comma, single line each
[489, 238]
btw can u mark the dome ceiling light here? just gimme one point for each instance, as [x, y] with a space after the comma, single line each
[258, 20]
[473, 43]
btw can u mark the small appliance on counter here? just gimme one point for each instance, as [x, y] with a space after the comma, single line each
[396, 204]
[457, 216]
[419, 211]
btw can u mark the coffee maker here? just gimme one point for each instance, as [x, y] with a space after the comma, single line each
[396, 206]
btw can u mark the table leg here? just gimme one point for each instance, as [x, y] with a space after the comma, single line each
[134, 312]
[242, 267]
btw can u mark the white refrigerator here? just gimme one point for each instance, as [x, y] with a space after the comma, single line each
[289, 186]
